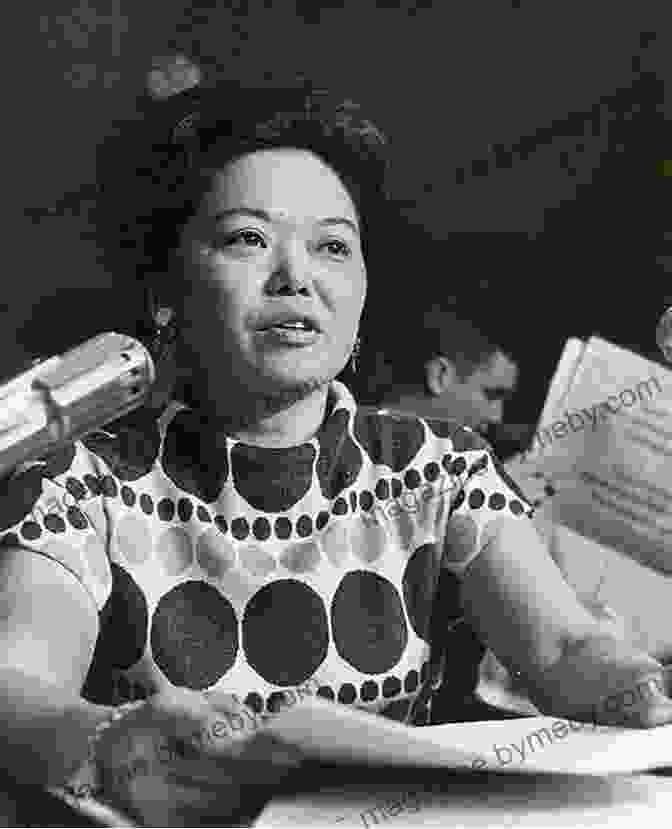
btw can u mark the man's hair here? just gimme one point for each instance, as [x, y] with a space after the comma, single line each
[402, 360]
[153, 176]
[445, 334]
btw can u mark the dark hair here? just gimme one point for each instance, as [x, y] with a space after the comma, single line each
[201, 129]
[447, 335]
[401, 361]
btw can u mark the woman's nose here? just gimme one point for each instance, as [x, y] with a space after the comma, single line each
[290, 274]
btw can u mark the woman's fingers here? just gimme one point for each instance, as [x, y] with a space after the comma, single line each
[644, 703]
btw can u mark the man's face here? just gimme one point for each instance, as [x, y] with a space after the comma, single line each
[478, 400]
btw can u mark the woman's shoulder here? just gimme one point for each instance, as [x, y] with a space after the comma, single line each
[401, 440]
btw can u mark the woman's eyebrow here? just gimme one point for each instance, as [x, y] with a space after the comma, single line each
[254, 212]
[337, 220]
[258, 213]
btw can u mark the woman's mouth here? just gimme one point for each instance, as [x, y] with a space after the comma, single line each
[297, 333]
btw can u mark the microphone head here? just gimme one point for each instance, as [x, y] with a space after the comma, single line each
[664, 334]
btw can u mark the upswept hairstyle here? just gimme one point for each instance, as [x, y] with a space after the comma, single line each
[171, 152]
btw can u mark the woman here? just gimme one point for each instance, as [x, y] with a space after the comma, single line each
[264, 536]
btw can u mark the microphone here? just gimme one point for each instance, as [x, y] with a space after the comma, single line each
[62, 399]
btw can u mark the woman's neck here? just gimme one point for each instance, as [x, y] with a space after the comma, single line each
[276, 421]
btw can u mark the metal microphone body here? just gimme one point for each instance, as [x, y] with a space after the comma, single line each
[61, 399]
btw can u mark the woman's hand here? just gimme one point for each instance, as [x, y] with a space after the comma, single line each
[603, 680]
[183, 757]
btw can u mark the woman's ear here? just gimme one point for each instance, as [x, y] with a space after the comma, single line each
[439, 375]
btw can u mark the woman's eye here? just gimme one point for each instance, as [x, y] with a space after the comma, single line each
[245, 238]
[335, 247]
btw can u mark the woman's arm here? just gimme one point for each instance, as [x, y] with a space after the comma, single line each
[48, 630]
[517, 599]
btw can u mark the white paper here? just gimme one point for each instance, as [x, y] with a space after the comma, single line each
[533, 745]
[537, 803]
[612, 470]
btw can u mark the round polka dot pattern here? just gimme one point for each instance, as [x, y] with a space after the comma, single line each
[497, 501]
[458, 466]
[432, 471]
[255, 702]
[476, 499]
[412, 479]
[285, 632]
[347, 694]
[129, 446]
[391, 687]
[165, 509]
[283, 527]
[389, 440]
[146, 504]
[128, 496]
[419, 584]
[340, 506]
[272, 480]
[301, 557]
[93, 483]
[335, 544]
[368, 540]
[304, 526]
[123, 631]
[240, 529]
[322, 520]
[134, 539]
[54, 523]
[75, 488]
[411, 682]
[214, 553]
[185, 509]
[366, 500]
[340, 459]
[369, 691]
[194, 635]
[257, 563]
[382, 490]
[188, 440]
[109, 486]
[256, 560]
[368, 622]
[174, 551]
[326, 692]
[261, 529]
[460, 540]
[18, 496]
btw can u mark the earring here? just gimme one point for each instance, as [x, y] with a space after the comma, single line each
[163, 348]
[354, 356]
[165, 333]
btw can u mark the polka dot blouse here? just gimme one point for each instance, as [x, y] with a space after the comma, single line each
[257, 571]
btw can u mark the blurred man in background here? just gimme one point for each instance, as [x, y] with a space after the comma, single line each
[447, 369]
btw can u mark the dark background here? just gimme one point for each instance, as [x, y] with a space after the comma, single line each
[525, 139]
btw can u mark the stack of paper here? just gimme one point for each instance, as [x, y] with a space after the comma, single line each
[529, 745]
[544, 750]
[604, 443]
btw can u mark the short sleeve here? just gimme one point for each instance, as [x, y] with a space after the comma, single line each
[485, 495]
[53, 508]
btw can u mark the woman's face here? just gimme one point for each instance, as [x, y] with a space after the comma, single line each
[274, 274]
